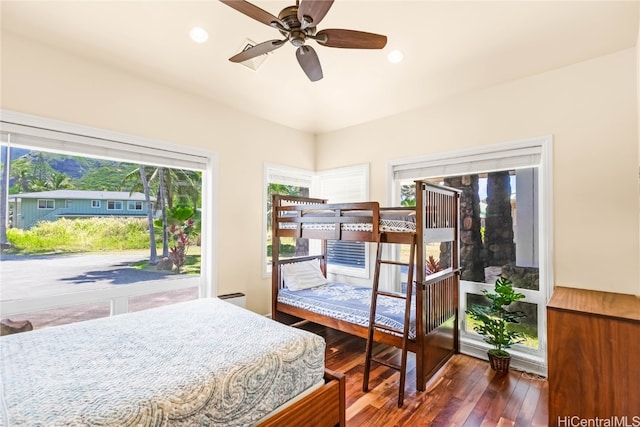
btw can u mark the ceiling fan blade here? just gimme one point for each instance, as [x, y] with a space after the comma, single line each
[252, 11]
[350, 39]
[257, 50]
[311, 12]
[308, 60]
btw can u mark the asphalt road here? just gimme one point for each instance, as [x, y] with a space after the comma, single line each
[28, 276]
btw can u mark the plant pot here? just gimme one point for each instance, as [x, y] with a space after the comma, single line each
[499, 363]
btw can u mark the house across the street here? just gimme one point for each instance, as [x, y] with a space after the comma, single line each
[30, 208]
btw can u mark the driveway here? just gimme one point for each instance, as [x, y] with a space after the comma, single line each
[28, 276]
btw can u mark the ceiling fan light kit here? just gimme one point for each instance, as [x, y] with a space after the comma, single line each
[298, 24]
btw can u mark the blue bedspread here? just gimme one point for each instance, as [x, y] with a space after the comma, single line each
[350, 303]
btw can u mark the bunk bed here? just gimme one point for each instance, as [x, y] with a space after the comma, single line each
[202, 362]
[301, 292]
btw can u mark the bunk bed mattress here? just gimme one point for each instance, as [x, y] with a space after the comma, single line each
[204, 362]
[351, 304]
[400, 221]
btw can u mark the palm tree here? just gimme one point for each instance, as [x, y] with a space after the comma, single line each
[163, 206]
[38, 185]
[170, 184]
[59, 181]
[180, 184]
[139, 180]
[21, 174]
[153, 255]
[41, 168]
[4, 188]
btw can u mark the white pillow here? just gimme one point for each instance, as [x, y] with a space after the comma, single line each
[303, 275]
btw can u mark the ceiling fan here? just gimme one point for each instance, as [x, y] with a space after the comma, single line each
[298, 24]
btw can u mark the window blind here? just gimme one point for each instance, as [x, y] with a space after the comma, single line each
[345, 185]
[290, 176]
[111, 147]
[453, 164]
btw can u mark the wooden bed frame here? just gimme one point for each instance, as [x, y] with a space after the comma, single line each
[437, 216]
[324, 407]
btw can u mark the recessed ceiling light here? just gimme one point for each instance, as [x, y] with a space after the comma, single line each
[395, 56]
[199, 35]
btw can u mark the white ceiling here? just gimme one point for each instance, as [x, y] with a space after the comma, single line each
[449, 47]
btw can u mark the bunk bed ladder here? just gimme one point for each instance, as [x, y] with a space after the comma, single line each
[373, 325]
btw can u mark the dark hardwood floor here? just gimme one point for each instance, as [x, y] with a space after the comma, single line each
[466, 392]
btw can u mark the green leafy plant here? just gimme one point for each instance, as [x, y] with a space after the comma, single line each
[495, 320]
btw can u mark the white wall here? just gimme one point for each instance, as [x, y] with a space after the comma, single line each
[637, 73]
[49, 83]
[590, 108]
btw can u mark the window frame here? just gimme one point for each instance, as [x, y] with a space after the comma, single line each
[115, 203]
[286, 175]
[520, 151]
[46, 207]
[317, 189]
[69, 138]
[95, 205]
[135, 208]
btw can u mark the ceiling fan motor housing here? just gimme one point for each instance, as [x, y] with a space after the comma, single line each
[296, 34]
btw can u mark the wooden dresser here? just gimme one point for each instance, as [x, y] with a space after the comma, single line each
[593, 356]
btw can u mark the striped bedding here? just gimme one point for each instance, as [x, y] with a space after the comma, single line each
[199, 363]
[400, 220]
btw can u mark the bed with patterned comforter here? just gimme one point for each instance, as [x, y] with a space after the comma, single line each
[350, 303]
[199, 363]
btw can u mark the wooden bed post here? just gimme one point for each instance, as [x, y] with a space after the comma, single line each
[437, 294]
[456, 268]
[421, 315]
[275, 254]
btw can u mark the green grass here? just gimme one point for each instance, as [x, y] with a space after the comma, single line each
[80, 235]
[92, 235]
[191, 266]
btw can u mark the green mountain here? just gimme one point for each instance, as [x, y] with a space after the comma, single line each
[38, 171]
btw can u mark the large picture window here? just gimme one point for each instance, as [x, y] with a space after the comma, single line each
[286, 181]
[107, 242]
[341, 185]
[505, 230]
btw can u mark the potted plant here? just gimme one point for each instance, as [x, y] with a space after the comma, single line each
[495, 323]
